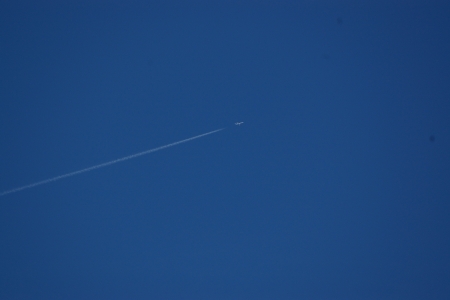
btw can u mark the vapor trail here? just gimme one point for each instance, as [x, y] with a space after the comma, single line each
[104, 164]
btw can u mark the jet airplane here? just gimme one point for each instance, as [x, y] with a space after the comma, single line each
[238, 123]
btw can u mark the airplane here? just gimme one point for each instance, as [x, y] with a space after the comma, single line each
[238, 123]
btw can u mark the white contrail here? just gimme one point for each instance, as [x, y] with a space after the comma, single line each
[104, 164]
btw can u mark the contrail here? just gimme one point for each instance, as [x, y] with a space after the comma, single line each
[104, 164]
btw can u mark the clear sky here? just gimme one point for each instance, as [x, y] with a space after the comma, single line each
[337, 185]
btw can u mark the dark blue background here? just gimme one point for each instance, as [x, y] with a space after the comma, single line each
[337, 185]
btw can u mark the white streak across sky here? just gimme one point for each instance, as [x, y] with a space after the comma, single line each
[25, 187]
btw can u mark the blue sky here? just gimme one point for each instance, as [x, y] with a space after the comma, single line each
[335, 187]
